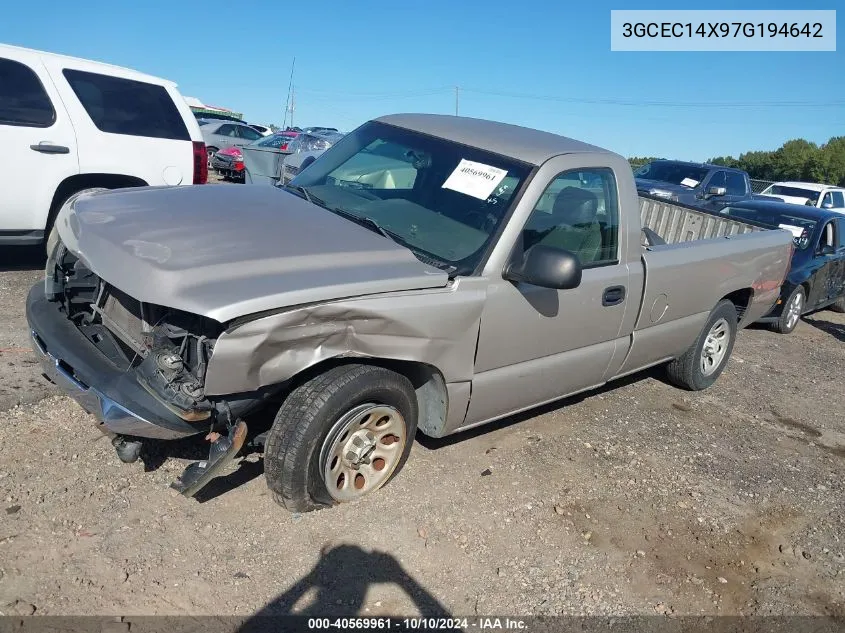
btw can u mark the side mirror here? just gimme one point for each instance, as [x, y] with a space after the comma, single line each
[546, 267]
[827, 249]
[716, 191]
[827, 205]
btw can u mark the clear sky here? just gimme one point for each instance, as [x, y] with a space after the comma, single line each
[544, 64]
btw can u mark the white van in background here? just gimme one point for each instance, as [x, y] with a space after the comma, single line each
[70, 125]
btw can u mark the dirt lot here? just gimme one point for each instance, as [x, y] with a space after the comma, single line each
[636, 499]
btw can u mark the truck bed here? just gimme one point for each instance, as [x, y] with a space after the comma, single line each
[679, 223]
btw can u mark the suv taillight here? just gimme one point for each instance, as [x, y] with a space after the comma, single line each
[200, 163]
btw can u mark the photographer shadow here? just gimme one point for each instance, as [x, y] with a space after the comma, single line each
[339, 583]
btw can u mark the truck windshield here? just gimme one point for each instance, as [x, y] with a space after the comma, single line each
[792, 192]
[801, 228]
[442, 200]
[674, 173]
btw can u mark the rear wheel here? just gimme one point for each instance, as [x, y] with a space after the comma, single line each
[793, 308]
[701, 364]
[340, 436]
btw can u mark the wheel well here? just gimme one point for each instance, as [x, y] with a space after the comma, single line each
[428, 383]
[86, 181]
[741, 300]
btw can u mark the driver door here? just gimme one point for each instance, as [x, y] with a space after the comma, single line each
[539, 344]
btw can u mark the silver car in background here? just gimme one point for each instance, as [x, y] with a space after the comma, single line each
[219, 134]
[304, 150]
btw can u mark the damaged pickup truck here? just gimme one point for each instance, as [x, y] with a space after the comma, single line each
[428, 273]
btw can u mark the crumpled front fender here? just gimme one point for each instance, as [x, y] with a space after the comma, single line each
[436, 327]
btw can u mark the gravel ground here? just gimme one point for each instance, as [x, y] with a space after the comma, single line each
[635, 499]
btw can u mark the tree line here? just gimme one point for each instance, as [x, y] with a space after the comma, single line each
[797, 159]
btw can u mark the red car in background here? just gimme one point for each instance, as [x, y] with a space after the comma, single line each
[229, 163]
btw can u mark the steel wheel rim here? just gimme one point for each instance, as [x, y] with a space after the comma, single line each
[715, 347]
[794, 310]
[362, 450]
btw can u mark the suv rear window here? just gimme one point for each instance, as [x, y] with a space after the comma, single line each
[23, 100]
[126, 106]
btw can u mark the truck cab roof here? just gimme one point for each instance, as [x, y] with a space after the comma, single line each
[523, 144]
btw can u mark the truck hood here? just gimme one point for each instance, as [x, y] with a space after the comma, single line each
[644, 185]
[226, 251]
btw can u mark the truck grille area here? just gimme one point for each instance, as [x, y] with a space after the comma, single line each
[167, 349]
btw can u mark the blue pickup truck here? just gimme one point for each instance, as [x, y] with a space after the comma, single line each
[709, 187]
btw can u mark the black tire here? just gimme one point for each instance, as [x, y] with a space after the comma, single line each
[292, 453]
[784, 324]
[50, 232]
[838, 305]
[209, 153]
[686, 371]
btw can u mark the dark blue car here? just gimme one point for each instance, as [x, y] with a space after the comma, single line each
[816, 278]
[709, 187]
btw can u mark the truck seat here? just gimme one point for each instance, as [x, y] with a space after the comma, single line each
[577, 228]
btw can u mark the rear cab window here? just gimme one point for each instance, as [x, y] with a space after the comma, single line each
[126, 106]
[23, 100]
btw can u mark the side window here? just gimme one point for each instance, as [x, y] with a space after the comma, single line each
[828, 237]
[718, 180]
[23, 100]
[126, 106]
[226, 130]
[838, 199]
[248, 133]
[840, 225]
[579, 213]
[735, 183]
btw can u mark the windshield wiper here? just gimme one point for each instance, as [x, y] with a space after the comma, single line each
[309, 197]
[365, 221]
[373, 225]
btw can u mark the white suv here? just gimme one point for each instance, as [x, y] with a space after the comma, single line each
[71, 125]
[808, 193]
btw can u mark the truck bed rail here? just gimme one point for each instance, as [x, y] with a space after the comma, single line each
[679, 223]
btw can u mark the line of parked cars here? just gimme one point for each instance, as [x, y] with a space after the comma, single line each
[814, 214]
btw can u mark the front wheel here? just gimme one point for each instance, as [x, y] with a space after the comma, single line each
[839, 305]
[340, 436]
[791, 313]
[701, 364]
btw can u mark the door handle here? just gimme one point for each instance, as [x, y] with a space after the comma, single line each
[614, 295]
[48, 148]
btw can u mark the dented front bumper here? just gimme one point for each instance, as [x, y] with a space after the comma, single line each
[109, 393]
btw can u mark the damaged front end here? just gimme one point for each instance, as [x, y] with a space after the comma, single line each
[167, 350]
[163, 350]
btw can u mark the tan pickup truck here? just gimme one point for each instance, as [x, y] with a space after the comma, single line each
[427, 273]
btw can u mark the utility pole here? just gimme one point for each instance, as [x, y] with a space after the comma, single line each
[292, 104]
[456, 100]
[289, 101]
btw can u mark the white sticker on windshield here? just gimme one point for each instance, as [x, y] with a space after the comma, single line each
[796, 231]
[475, 179]
[689, 182]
